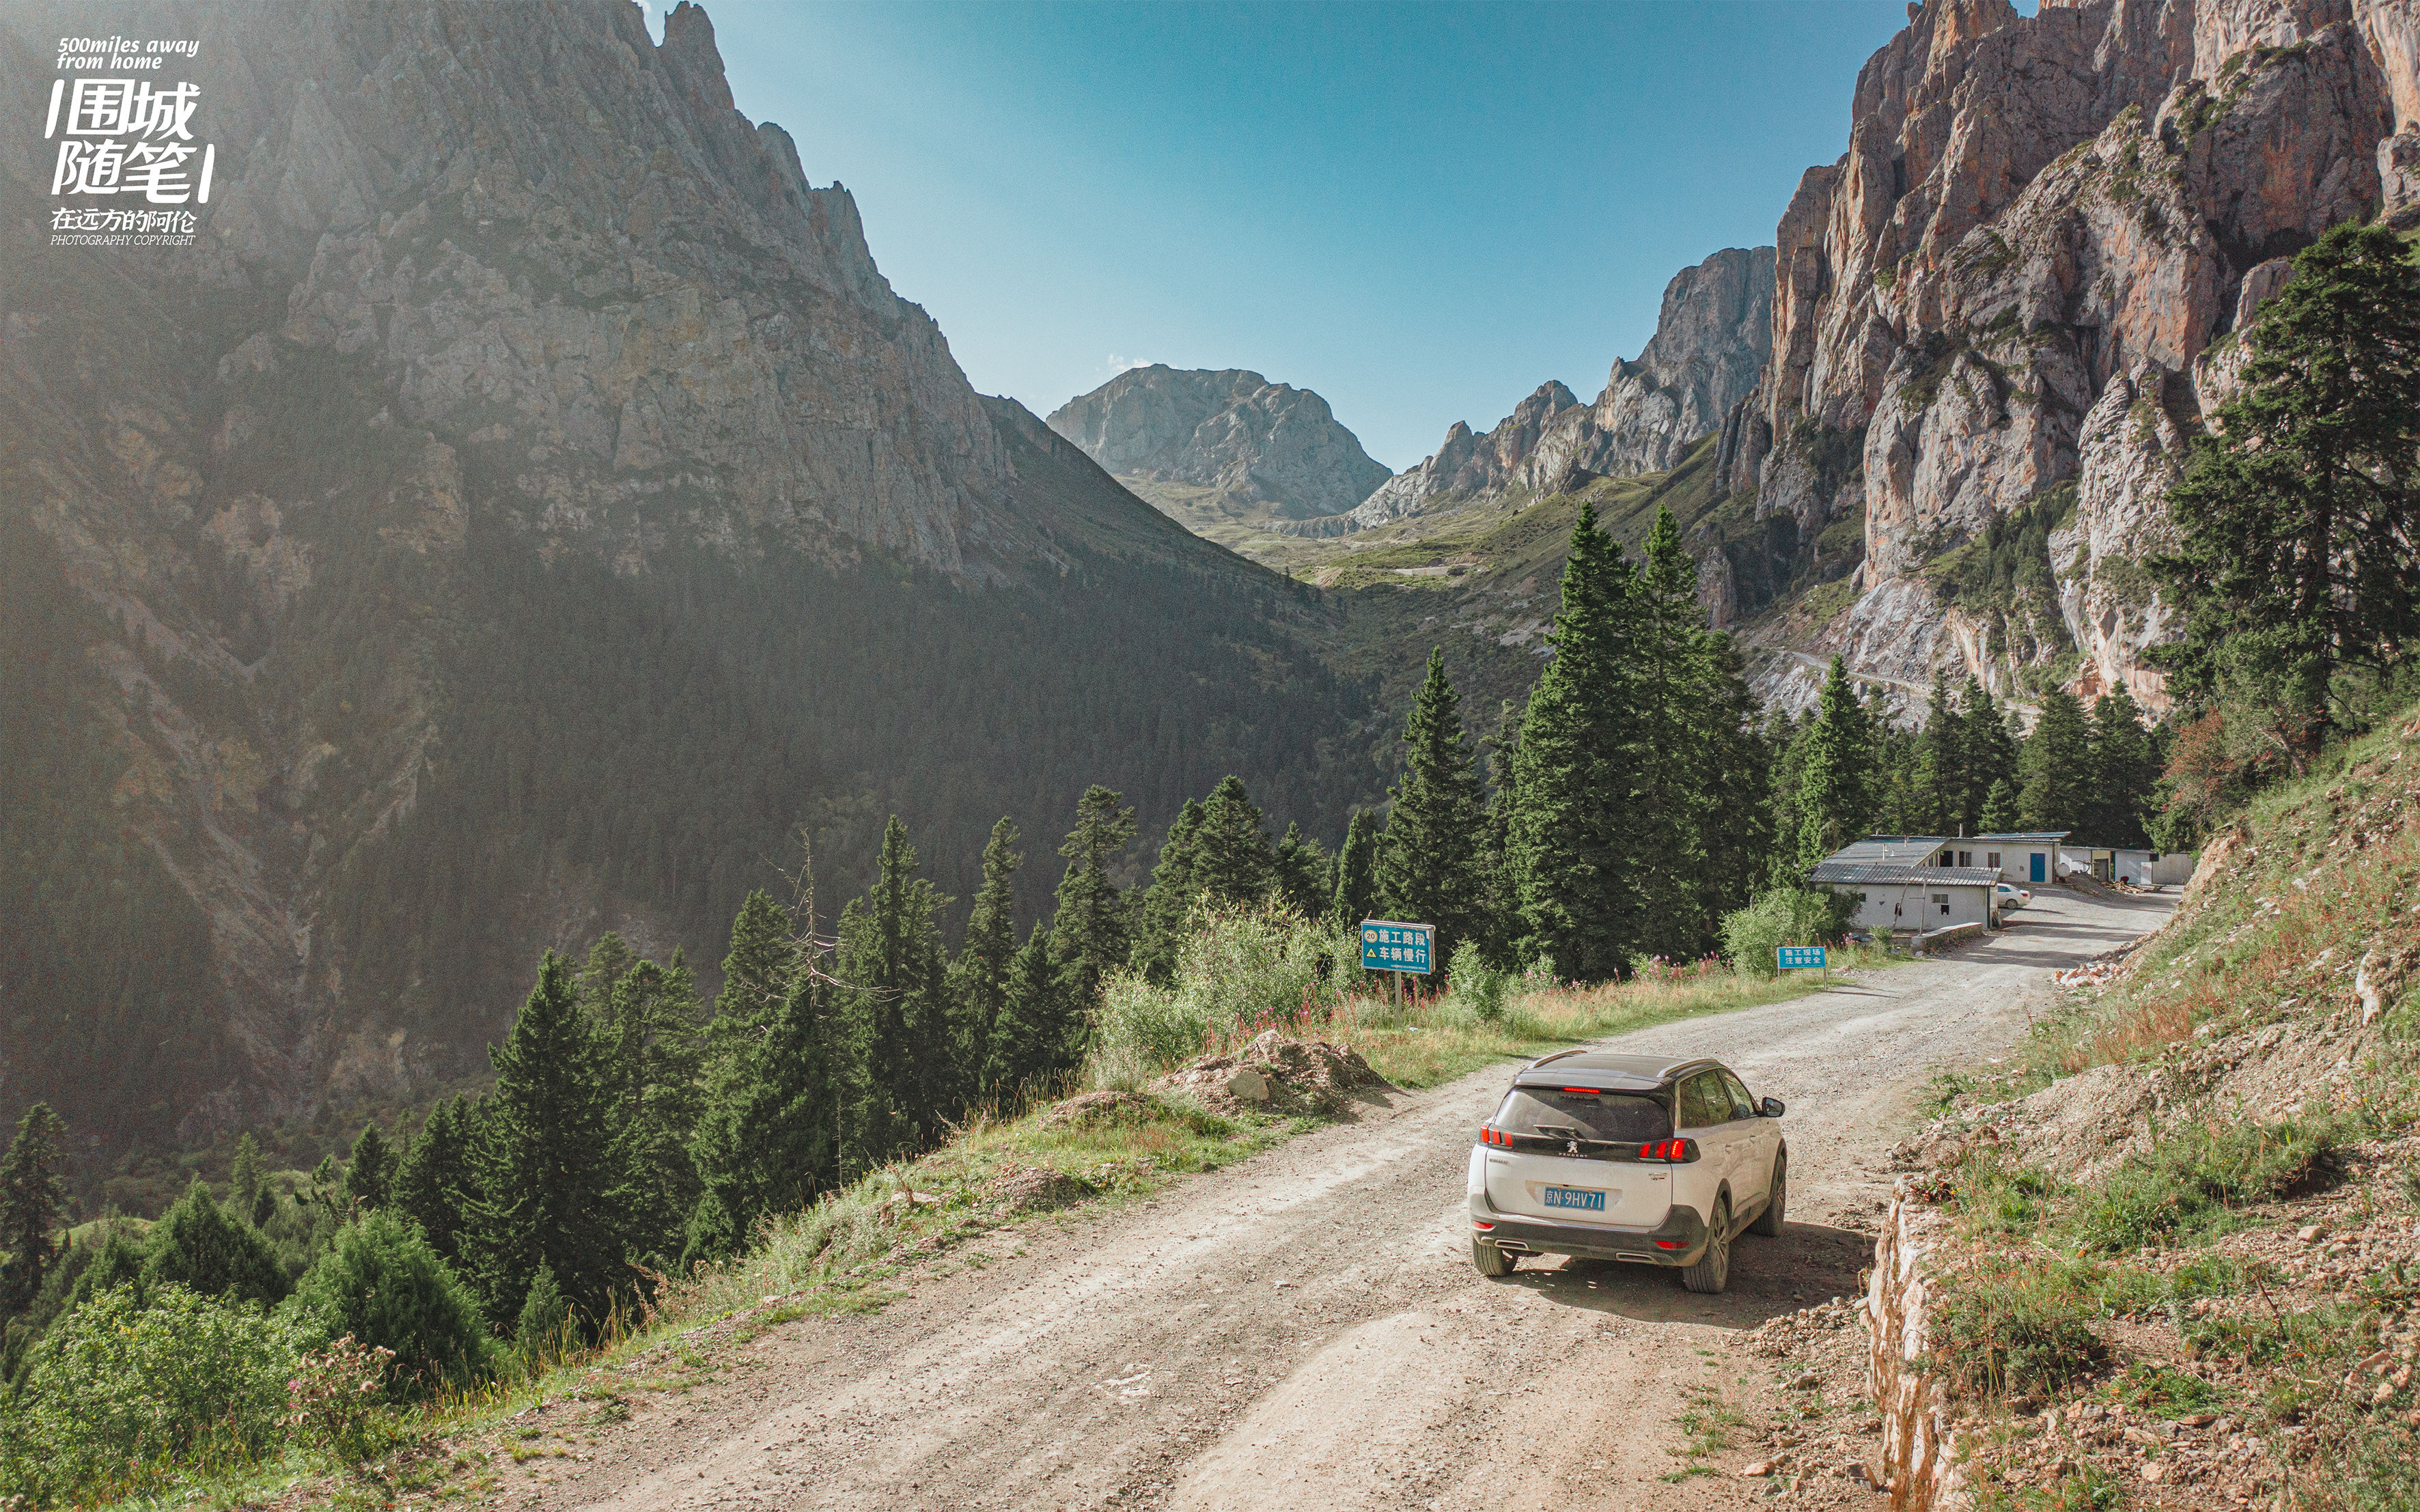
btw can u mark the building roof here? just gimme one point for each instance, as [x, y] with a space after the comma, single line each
[1898, 874]
[2045, 836]
[1899, 849]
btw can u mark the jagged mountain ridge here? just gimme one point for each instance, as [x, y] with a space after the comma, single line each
[2019, 287]
[1712, 335]
[524, 504]
[1219, 445]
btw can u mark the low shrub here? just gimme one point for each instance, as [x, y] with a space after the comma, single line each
[120, 1396]
[1479, 989]
[383, 1286]
[2021, 1333]
[1240, 971]
[1777, 917]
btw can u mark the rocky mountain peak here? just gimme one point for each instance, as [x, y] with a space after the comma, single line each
[1711, 336]
[1228, 441]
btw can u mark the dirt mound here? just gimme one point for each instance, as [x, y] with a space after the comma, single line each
[1274, 1074]
[1091, 1109]
[1037, 1189]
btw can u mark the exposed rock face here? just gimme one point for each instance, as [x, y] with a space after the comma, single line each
[1469, 466]
[1234, 433]
[1711, 341]
[1711, 338]
[2035, 213]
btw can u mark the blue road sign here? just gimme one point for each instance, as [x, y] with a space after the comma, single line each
[1387, 945]
[1801, 957]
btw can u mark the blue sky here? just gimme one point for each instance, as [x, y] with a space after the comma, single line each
[1422, 212]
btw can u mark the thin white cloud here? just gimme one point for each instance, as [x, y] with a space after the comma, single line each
[1121, 364]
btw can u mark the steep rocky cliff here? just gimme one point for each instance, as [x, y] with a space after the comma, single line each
[2019, 289]
[522, 505]
[1224, 445]
[1710, 343]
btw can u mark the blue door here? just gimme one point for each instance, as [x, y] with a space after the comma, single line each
[2037, 866]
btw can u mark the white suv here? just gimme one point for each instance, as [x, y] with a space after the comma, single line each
[1627, 1158]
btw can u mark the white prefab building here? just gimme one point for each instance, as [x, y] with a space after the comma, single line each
[2133, 867]
[2026, 859]
[1913, 882]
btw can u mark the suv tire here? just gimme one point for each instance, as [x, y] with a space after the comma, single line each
[1777, 1201]
[1713, 1271]
[1492, 1262]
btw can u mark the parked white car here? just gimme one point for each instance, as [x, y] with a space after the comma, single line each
[2010, 896]
[1641, 1158]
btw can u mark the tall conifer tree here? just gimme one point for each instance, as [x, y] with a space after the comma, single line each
[1090, 935]
[435, 1182]
[770, 1135]
[1430, 856]
[1836, 782]
[33, 1196]
[1568, 841]
[908, 1045]
[1169, 904]
[2055, 767]
[1671, 777]
[370, 1170]
[1233, 860]
[2125, 771]
[547, 1162]
[979, 977]
[1305, 876]
[1357, 871]
[1040, 1036]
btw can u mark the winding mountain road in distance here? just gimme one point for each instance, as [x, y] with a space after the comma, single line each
[1305, 1330]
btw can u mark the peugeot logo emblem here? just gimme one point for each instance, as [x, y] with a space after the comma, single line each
[1572, 1148]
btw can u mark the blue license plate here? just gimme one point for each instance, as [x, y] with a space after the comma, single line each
[1571, 1196]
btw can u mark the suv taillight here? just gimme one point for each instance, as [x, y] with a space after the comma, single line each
[1674, 1152]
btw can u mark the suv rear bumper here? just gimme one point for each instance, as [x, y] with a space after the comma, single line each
[1681, 1229]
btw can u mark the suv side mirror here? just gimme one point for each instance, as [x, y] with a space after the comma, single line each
[1770, 1107]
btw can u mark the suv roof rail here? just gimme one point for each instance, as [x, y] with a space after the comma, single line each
[1547, 1060]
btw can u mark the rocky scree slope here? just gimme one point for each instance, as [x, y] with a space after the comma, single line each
[1209, 447]
[2019, 288]
[525, 501]
[1710, 340]
[2220, 1295]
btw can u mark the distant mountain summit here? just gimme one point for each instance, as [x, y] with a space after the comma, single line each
[1711, 342]
[1223, 446]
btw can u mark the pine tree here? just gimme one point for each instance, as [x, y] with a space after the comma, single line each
[2055, 768]
[1669, 782]
[1306, 878]
[2002, 814]
[1233, 860]
[245, 1179]
[1940, 782]
[1039, 1038]
[2298, 522]
[979, 977]
[1785, 736]
[198, 1245]
[1357, 885]
[367, 1176]
[1169, 904]
[1090, 935]
[904, 1037]
[547, 1159]
[1430, 856]
[1735, 778]
[1568, 841]
[2125, 771]
[1836, 796]
[1989, 755]
[649, 1024]
[434, 1183]
[771, 1138]
[33, 1197]
[608, 960]
[756, 972]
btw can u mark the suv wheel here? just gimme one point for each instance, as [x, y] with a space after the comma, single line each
[1768, 1223]
[1713, 1271]
[1491, 1261]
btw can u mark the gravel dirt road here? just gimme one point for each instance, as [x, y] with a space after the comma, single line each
[1305, 1330]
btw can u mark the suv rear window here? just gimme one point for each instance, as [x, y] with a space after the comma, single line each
[1537, 1110]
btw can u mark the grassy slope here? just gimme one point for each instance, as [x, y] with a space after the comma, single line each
[2178, 1282]
[941, 1211]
